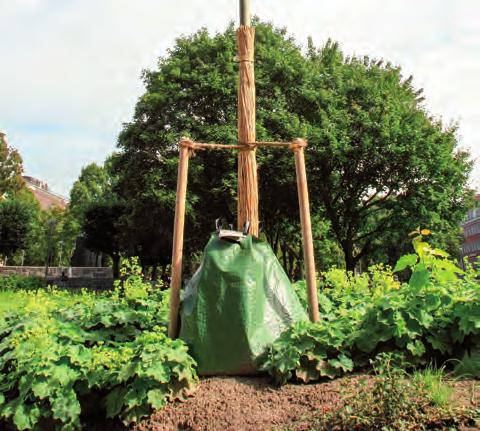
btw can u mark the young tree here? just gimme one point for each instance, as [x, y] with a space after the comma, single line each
[378, 163]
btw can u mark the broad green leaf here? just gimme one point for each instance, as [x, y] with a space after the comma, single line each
[157, 398]
[432, 301]
[438, 252]
[419, 278]
[114, 401]
[26, 417]
[65, 406]
[158, 371]
[343, 362]
[417, 348]
[442, 344]
[405, 261]
[42, 389]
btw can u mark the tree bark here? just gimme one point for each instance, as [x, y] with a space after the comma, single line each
[154, 272]
[116, 265]
[350, 259]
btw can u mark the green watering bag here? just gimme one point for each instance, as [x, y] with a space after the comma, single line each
[236, 304]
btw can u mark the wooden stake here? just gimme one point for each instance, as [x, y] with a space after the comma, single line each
[247, 204]
[308, 256]
[179, 224]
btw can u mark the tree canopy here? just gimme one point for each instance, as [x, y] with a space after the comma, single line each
[11, 168]
[92, 186]
[15, 224]
[378, 163]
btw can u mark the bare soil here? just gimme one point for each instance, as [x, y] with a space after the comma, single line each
[254, 404]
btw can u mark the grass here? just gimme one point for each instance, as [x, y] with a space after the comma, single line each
[432, 380]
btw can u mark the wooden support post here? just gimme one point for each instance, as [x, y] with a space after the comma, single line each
[177, 251]
[308, 256]
[247, 204]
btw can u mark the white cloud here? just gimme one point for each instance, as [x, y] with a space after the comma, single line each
[69, 71]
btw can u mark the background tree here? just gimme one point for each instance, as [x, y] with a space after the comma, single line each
[15, 220]
[102, 233]
[379, 165]
[91, 187]
[51, 240]
[11, 168]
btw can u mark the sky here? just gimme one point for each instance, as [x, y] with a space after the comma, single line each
[70, 69]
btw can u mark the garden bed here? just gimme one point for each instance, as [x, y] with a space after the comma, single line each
[246, 403]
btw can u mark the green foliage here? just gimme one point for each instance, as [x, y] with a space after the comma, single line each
[102, 232]
[16, 282]
[309, 353]
[94, 207]
[15, 223]
[193, 92]
[377, 161]
[11, 169]
[435, 317]
[91, 186]
[52, 238]
[64, 355]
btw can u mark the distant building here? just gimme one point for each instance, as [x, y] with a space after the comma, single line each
[45, 197]
[471, 232]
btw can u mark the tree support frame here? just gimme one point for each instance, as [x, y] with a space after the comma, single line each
[187, 147]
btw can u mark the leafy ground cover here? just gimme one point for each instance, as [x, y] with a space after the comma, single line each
[65, 358]
[434, 318]
[72, 360]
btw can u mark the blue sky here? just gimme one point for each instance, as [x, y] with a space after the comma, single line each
[69, 69]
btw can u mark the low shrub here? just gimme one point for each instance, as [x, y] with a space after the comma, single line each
[20, 282]
[432, 318]
[62, 355]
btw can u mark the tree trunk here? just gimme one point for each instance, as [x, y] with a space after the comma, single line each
[284, 257]
[350, 259]
[154, 272]
[116, 265]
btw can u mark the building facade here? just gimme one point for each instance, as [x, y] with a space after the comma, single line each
[45, 197]
[471, 233]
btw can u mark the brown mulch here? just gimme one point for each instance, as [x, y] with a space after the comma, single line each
[253, 404]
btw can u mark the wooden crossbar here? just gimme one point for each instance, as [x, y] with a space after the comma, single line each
[185, 142]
